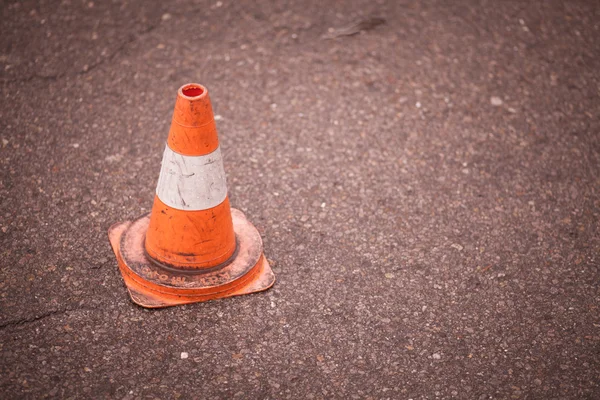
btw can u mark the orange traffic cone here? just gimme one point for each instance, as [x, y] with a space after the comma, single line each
[192, 247]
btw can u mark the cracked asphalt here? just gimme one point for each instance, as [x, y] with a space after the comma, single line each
[427, 192]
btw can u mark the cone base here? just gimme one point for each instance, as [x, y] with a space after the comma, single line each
[153, 286]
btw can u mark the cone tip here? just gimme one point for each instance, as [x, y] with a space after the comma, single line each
[192, 91]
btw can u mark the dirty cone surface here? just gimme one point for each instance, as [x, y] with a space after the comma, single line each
[193, 246]
[427, 192]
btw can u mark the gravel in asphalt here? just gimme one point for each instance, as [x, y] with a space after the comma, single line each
[427, 191]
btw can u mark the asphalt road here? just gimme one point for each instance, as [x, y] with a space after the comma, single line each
[428, 192]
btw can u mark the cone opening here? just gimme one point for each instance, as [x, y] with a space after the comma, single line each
[192, 90]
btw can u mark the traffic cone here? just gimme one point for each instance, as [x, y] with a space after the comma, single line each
[192, 246]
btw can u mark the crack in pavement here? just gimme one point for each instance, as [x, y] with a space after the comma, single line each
[133, 38]
[47, 314]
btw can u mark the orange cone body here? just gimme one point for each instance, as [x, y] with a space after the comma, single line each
[184, 235]
[193, 246]
[201, 239]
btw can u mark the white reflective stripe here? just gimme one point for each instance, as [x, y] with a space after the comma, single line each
[192, 182]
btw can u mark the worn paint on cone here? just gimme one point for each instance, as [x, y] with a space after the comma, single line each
[192, 246]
